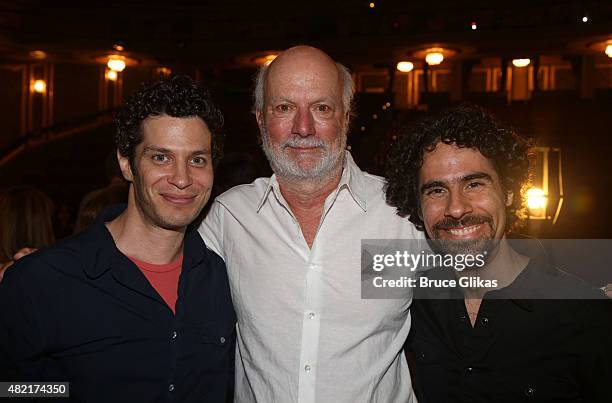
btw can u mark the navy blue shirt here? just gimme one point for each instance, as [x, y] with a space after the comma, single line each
[81, 311]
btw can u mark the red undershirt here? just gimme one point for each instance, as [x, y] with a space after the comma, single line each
[163, 277]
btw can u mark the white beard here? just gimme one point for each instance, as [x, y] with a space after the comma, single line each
[288, 168]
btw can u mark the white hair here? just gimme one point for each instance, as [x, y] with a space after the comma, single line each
[348, 89]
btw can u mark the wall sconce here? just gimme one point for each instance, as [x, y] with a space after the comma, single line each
[405, 66]
[111, 75]
[39, 86]
[545, 196]
[521, 62]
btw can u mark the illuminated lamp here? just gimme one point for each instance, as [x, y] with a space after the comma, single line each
[545, 197]
[521, 62]
[434, 58]
[116, 63]
[39, 86]
[405, 66]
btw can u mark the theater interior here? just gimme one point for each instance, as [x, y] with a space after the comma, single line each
[544, 67]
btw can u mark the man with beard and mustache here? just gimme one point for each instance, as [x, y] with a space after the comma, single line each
[537, 335]
[292, 247]
[134, 308]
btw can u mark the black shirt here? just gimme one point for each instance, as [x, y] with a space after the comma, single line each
[81, 311]
[519, 350]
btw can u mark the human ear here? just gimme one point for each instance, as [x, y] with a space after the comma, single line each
[126, 169]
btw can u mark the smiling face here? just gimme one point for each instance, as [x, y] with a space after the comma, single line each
[303, 122]
[462, 201]
[172, 173]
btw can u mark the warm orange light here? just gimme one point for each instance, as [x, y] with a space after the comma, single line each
[38, 54]
[269, 59]
[163, 71]
[405, 67]
[536, 199]
[111, 75]
[434, 57]
[521, 62]
[116, 63]
[39, 86]
[609, 50]
[118, 48]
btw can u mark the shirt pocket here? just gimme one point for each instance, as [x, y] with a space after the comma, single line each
[210, 343]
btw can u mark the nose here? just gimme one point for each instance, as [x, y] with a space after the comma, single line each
[458, 205]
[303, 123]
[180, 176]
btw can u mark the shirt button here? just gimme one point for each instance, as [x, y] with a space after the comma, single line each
[529, 392]
[174, 334]
[484, 321]
[311, 315]
[307, 368]
[171, 387]
[222, 340]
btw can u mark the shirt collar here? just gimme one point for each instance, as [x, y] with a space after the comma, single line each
[100, 250]
[352, 179]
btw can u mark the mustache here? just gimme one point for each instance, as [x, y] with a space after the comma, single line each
[304, 142]
[449, 222]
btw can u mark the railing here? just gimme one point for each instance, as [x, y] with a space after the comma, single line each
[43, 136]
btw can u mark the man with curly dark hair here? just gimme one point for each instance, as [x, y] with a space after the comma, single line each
[135, 308]
[490, 333]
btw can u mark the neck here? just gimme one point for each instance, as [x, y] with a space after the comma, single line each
[309, 193]
[306, 199]
[137, 238]
[504, 265]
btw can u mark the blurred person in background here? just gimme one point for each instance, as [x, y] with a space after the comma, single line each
[97, 200]
[26, 216]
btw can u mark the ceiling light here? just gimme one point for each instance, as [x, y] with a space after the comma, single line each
[116, 63]
[405, 66]
[521, 62]
[434, 58]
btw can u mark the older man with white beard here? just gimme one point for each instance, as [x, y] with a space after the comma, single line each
[292, 247]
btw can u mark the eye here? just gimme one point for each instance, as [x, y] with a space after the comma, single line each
[323, 108]
[435, 192]
[474, 185]
[283, 108]
[160, 157]
[198, 161]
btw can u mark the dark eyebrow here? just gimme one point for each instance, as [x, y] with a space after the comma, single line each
[166, 150]
[477, 175]
[155, 149]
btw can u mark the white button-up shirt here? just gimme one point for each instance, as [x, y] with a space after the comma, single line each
[304, 332]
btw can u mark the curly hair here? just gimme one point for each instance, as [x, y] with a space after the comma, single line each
[177, 96]
[464, 126]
